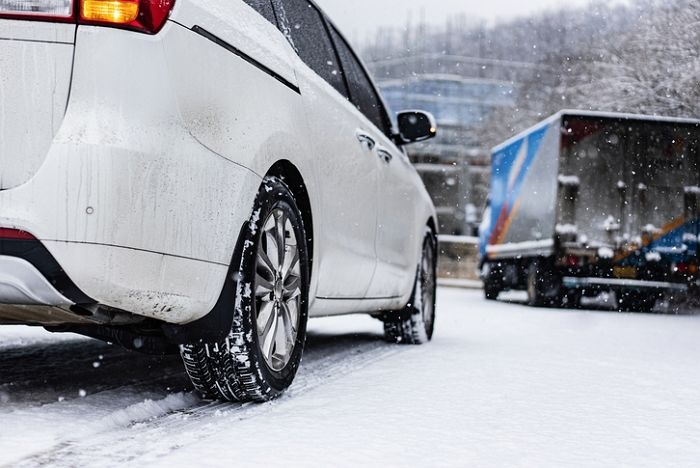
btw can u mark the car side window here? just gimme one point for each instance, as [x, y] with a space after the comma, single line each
[362, 92]
[307, 33]
[264, 7]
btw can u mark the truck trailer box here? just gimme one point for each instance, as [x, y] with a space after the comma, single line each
[587, 202]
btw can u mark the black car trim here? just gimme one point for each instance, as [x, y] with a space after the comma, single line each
[34, 252]
[220, 42]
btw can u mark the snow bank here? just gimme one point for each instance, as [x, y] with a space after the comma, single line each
[145, 410]
[39, 429]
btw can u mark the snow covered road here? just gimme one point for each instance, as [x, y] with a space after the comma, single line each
[501, 385]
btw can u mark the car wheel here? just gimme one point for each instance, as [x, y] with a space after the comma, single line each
[416, 322]
[262, 353]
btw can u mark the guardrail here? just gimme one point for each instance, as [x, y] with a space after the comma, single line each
[459, 260]
[459, 240]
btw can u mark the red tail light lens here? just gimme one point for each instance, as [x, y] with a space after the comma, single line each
[15, 234]
[147, 16]
[41, 10]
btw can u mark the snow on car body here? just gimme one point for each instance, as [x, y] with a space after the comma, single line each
[587, 201]
[136, 138]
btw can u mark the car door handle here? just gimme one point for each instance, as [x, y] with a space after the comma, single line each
[384, 155]
[365, 140]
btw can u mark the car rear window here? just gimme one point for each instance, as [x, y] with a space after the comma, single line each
[362, 92]
[308, 34]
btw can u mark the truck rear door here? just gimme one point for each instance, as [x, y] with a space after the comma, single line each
[593, 152]
[664, 169]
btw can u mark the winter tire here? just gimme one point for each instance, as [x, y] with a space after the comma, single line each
[261, 355]
[543, 287]
[493, 283]
[416, 322]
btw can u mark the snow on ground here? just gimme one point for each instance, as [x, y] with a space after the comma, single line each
[502, 384]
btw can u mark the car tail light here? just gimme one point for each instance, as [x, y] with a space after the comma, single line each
[15, 234]
[43, 10]
[147, 16]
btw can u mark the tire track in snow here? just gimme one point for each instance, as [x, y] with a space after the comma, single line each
[40, 373]
[328, 357]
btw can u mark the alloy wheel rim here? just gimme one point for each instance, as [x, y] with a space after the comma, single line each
[277, 290]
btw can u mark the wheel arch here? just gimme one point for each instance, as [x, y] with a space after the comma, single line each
[215, 325]
[291, 176]
[432, 225]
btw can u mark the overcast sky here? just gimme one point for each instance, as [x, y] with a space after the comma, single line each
[358, 18]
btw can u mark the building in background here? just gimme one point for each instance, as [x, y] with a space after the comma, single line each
[463, 93]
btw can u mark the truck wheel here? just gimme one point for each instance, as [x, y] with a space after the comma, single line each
[416, 322]
[493, 283]
[262, 353]
[543, 287]
[572, 298]
[635, 301]
[491, 291]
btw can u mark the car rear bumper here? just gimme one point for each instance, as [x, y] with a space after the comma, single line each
[158, 249]
[23, 284]
[137, 211]
[134, 210]
[35, 289]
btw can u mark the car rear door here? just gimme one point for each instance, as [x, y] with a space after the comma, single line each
[347, 169]
[36, 59]
[397, 225]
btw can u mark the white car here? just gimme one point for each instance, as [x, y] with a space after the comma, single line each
[204, 174]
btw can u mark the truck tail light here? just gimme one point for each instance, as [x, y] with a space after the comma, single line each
[148, 16]
[40, 10]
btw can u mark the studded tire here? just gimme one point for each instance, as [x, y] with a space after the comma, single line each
[258, 360]
[415, 324]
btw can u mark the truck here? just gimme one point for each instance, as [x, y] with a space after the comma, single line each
[591, 202]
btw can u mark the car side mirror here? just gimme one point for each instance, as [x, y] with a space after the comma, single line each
[415, 126]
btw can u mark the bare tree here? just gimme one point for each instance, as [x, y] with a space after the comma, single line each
[654, 69]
